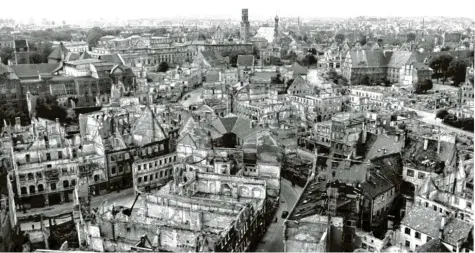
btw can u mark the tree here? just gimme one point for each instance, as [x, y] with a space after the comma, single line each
[422, 86]
[256, 53]
[427, 84]
[362, 40]
[163, 67]
[411, 37]
[277, 79]
[440, 65]
[339, 38]
[444, 49]
[457, 70]
[291, 56]
[47, 107]
[365, 80]
[233, 60]
[342, 81]
[441, 114]
[94, 35]
[7, 53]
[309, 60]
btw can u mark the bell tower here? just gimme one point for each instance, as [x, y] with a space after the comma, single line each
[245, 26]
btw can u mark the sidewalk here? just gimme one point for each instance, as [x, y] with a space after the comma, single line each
[66, 207]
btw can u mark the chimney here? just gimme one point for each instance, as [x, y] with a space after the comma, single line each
[368, 174]
[441, 228]
[426, 143]
[363, 134]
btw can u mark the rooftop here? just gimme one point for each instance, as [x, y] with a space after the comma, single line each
[84, 61]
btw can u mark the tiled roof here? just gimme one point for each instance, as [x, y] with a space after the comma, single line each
[70, 56]
[245, 60]
[366, 58]
[400, 58]
[85, 55]
[114, 58]
[32, 70]
[424, 220]
[434, 245]
[377, 184]
[456, 230]
[58, 53]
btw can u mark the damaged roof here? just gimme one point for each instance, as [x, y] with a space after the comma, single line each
[239, 126]
[147, 128]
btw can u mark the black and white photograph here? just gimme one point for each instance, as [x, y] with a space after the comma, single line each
[237, 126]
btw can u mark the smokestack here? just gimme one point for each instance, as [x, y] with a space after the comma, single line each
[426, 143]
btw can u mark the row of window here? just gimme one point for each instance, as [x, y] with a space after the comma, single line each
[158, 175]
[156, 163]
[417, 235]
[411, 173]
[48, 155]
[39, 174]
[53, 186]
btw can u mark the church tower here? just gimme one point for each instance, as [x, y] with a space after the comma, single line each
[276, 30]
[245, 26]
[22, 52]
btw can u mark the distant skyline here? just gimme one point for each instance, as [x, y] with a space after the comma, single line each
[59, 10]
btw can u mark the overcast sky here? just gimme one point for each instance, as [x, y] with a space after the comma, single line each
[258, 9]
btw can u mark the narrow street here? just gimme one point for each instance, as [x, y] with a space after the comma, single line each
[429, 118]
[273, 239]
[195, 97]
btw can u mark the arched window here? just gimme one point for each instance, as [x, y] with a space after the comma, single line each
[41, 188]
[32, 189]
[73, 182]
[96, 178]
[65, 183]
[23, 190]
